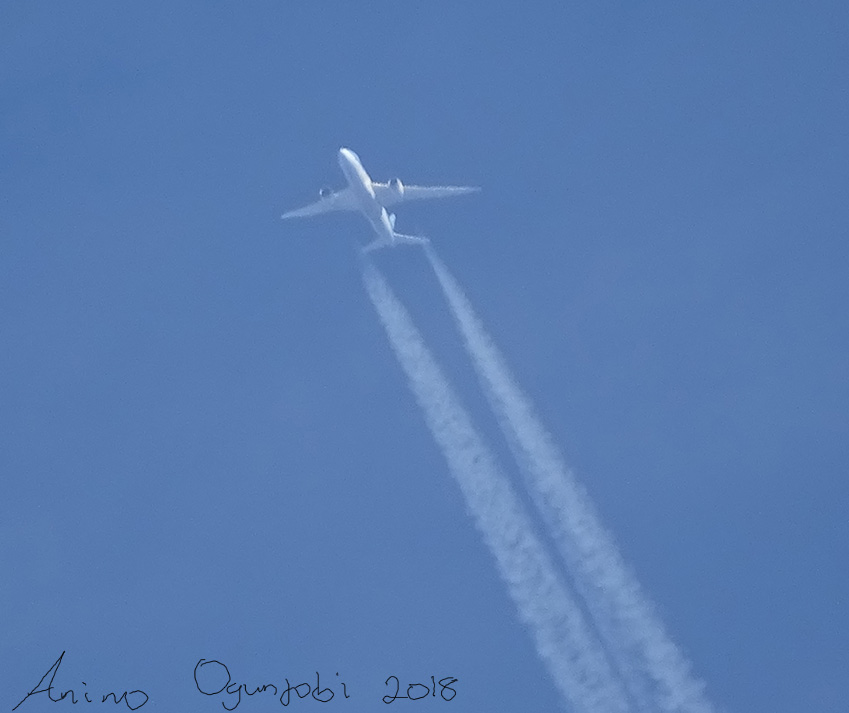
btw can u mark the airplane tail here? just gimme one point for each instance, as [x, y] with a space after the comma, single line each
[397, 239]
[409, 239]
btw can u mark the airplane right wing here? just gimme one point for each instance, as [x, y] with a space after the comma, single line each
[389, 194]
[340, 200]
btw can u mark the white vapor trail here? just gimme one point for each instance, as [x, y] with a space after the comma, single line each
[655, 672]
[563, 640]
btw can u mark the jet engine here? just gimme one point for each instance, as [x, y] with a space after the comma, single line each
[398, 187]
[325, 192]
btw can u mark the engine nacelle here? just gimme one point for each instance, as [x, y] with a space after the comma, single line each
[398, 187]
[325, 193]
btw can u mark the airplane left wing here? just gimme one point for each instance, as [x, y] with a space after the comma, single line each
[389, 194]
[341, 200]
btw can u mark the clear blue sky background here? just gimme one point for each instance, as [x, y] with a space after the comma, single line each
[207, 448]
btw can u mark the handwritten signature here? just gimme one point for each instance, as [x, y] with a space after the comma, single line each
[206, 673]
[132, 699]
[213, 678]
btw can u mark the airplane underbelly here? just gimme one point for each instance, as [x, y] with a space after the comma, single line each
[370, 208]
[380, 223]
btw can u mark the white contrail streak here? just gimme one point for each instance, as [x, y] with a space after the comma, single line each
[655, 671]
[563, 640]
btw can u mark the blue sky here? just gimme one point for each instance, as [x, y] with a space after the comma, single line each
[207, 447]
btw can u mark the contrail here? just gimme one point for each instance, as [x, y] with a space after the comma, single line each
[563, 640]
[654, 670]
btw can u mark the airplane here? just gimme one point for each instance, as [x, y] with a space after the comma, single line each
[372, 200]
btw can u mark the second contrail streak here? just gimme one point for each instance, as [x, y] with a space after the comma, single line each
[653, 668]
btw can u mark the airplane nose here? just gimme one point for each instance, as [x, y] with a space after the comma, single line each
[347, 155]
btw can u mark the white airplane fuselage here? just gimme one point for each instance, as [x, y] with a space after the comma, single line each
[374, 200]
[362, 189]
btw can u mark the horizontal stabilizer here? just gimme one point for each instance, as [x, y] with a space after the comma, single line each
[397, 239]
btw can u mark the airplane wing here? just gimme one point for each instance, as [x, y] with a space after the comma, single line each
[388, 195]
[340, 200]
